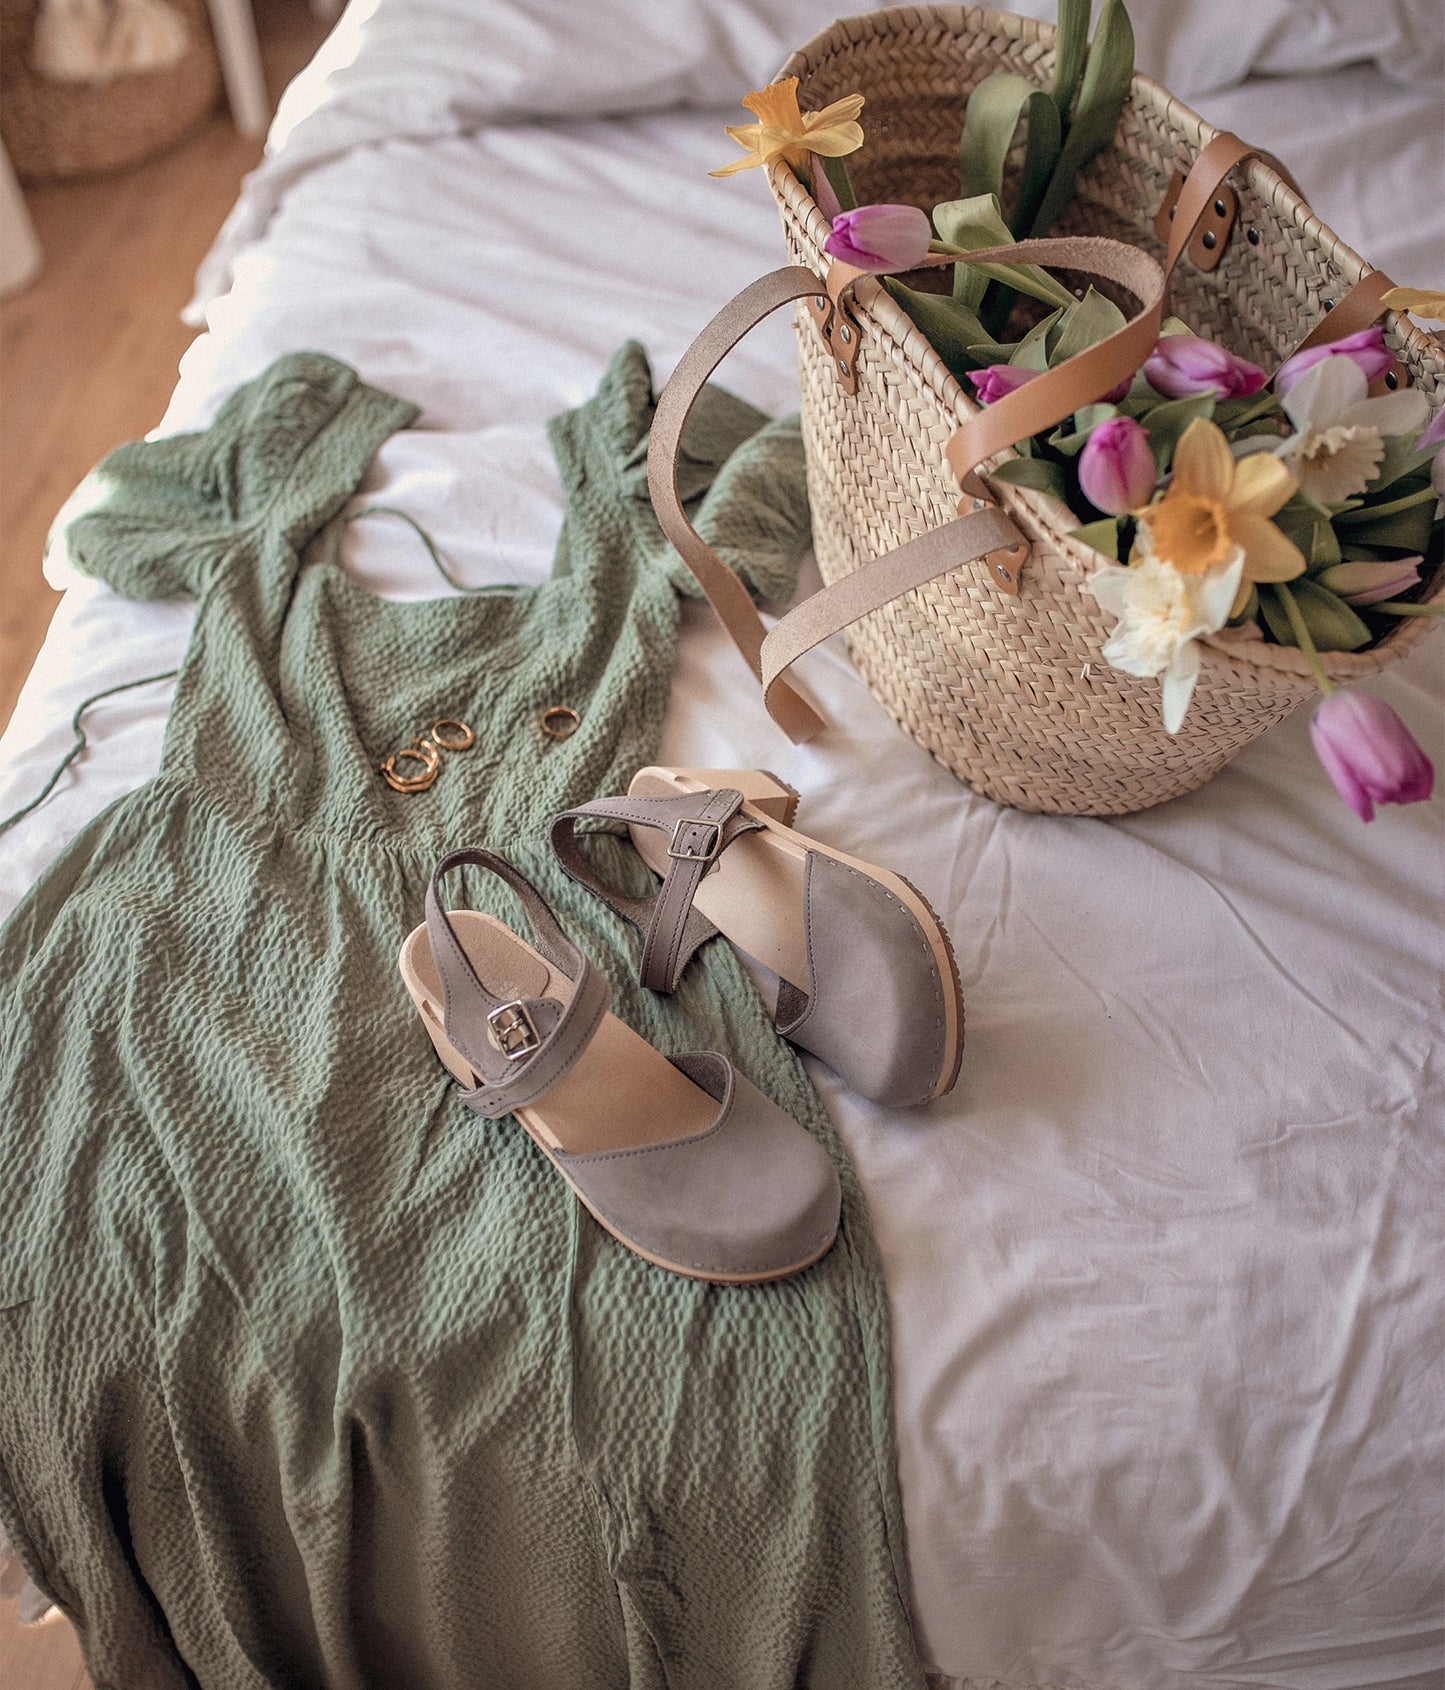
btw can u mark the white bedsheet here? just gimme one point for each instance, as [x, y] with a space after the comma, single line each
[1165, 1267]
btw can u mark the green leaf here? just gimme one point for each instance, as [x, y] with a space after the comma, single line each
[1332, 625]
[995, 351]
[951, 328]
[836, 170]
[1297, 523]
[1084, 422]
[1071, 44]
[1041, 154]
[1166, 424]
[1407, 529]
[1032, 352]
[995, 109]
[1400, 459]
[1324, 548]
[1103, 536]
[1407, 493]
[1086, 322]
[967, 225]
[1366, 554]
[1102, 93]
[1037, 473]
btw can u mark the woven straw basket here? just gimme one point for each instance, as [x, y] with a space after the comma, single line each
[58, 130]
[1011, 693]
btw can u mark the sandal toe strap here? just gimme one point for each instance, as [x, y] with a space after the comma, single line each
[702, 825]
[521, 1046]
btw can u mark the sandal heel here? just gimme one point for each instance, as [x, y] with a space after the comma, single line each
[760, 787]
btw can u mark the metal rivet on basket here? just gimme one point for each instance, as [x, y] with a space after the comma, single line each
[1219, 208]
[820, 300]
[1392, 381]
[845, 334]
[1328, 304]
[1253, 237]
[843, 365]
[1211, 240]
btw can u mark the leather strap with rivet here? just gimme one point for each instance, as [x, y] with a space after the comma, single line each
[1358, 308]
[520, 1046]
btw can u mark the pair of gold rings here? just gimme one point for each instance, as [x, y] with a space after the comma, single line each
[447, 734]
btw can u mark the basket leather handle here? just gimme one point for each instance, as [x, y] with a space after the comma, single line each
[982, 531]
[1359, 307]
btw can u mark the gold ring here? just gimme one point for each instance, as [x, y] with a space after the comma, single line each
[463, 744]
[419, 751]
[560, 721]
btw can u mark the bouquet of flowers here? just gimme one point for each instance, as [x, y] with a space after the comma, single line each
[1305, 509]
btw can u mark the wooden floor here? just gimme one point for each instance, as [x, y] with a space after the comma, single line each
[88, 357]
[88, 352]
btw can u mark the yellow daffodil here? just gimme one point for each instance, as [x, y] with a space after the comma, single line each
[1216, 505]
[1424, 302]
[783, 132]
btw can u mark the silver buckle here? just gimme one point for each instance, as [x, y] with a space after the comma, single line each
[514, 1031]
[681, 853]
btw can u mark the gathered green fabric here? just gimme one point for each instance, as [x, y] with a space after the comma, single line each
[308, 1375]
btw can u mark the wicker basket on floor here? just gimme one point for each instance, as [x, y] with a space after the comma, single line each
[1011, 694]
[55, 130]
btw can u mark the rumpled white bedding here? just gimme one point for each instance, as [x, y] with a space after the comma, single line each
[1165, 1268]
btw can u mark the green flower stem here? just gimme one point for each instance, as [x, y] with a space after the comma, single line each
[1262, 406]
[1393, 607]
[1368, 513]
[1302, 637]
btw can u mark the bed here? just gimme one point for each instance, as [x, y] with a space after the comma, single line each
[1164, 1269]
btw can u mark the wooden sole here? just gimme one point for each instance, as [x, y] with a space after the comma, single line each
[754, 894]
[621, 1094]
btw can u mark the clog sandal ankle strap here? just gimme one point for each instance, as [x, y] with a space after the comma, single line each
[520, 1046]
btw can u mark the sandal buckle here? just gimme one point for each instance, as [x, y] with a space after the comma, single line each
[687, 849]
[514, 1031]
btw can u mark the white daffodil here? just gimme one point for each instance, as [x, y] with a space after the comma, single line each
[1340, 432]
[1161, 612]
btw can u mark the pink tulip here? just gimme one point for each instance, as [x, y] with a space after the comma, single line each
[998, 380]
[1367, 349]
[881, 237]
[1182, 366]
[1369, 753]
[1367, 582]
[1116, 467]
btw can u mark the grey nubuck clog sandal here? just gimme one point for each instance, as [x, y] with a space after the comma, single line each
[867, 978]
[684, 1161]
